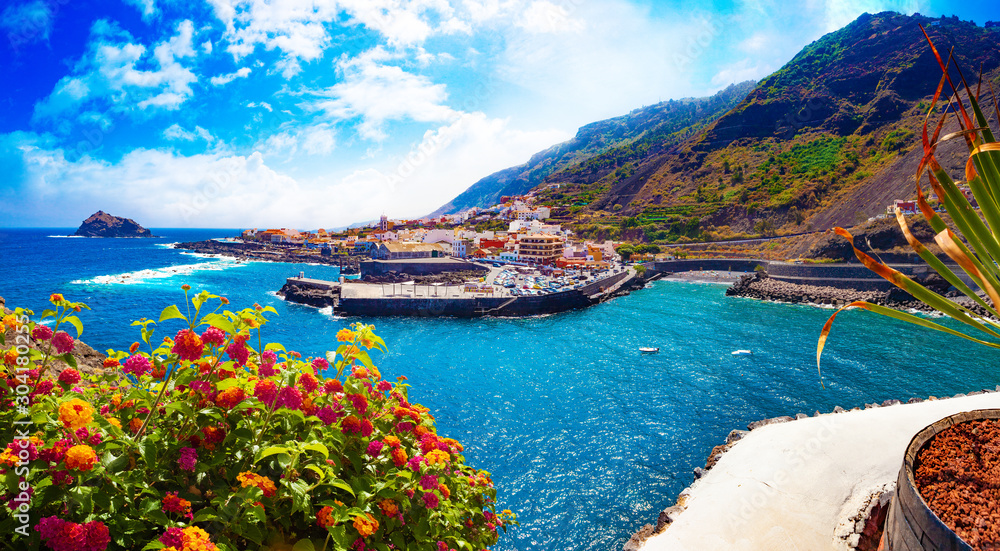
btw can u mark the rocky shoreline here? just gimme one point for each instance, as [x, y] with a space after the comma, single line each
[349, 264]
[759, 286]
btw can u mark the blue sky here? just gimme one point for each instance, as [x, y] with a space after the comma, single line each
[322, 113]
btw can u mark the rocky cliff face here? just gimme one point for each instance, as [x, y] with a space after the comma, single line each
[102, 224]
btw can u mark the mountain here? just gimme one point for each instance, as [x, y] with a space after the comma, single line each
[829, 139]
[645, 129]
[102, 224]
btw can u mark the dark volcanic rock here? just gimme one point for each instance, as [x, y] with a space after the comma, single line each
[102, 224]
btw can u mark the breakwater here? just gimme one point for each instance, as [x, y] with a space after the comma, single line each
[266, 252]
[364, 299]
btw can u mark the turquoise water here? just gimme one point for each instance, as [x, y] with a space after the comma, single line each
[586, 438]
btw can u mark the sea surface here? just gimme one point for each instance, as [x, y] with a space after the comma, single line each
[586, 438]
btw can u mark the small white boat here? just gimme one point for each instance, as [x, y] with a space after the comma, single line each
[741, 352]
[649, 350]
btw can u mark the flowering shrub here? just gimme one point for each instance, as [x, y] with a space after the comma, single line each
[210, 440]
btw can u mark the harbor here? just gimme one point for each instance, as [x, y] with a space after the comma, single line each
[503, 291]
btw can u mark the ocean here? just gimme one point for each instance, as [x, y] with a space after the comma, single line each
[586, 438]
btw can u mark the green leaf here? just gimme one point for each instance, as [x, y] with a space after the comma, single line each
[226, 384]
[273, 450]
[304, 545]
[171, 312]
[69, 359]
[220, 322]
[204, 514]
[275, 346]
[75, 322]
[317, 447]
[316, 470]
[155, 544]
[343, 486]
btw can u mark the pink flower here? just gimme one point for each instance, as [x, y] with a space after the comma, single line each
[267, 370]
[374, 448]
[62, 535]
[319, 364]
[238, 352]
[188, 459]
[188, 345]
[44, 387]
[266, 392]
[213, 336]
[173, 537]
[290, 397]
[41, 333]
[308, 382]
[430, 500]
[366, 428]
[332, 386]
[63, 342]
[384, 386]
[328, 415]
[414, 463]
[359, 402]
[429, 482]
[269, 357]
[136, 365]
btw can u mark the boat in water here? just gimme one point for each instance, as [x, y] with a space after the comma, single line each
[649, 350]
[741, 352]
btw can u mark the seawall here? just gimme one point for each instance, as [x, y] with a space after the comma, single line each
[469, 307]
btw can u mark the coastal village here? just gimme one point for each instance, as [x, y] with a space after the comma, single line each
[519, 234]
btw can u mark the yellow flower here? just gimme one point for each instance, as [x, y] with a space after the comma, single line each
[437, 456]
[114, 421]
[75, 413]
[345, 335]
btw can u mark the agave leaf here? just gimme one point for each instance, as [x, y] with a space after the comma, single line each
[918, 291]
[895, 314]
[979, 236]
[939, 266]
[946, 240]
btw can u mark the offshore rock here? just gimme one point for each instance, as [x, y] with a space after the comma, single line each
[102, 224]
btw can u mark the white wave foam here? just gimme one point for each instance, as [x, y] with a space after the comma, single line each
[68, 236]
[143, 276]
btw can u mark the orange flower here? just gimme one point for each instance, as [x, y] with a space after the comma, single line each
[116, 399]
[75, 413]
[392, 441]
[389, 507]
[135, 424]
[399, 457]
[325, 517]
[445, 492]
[80, 457]
[8, 457]
[248, 478]
[56, 297]
[365, 526]
[10, 358]
[115, 422]
[345, 335]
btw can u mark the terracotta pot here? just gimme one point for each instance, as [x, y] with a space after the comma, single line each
[911, 524]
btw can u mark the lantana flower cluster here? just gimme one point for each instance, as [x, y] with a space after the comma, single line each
[212, 439]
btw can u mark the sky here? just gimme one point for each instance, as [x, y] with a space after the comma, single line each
[323, 113]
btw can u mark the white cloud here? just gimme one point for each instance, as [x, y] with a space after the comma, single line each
[146, 7]
[742, 70]
[839, 13]
[176, 132]
[110, 70]
[243, 72]
[27, 23]
[262, 104]
[376, 93]
[446, 162]
[319, 139]
[298, 28]
[545, 17]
